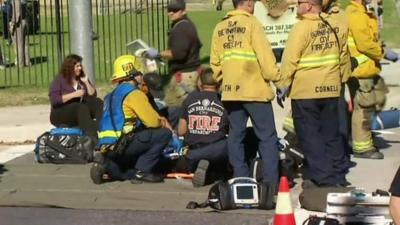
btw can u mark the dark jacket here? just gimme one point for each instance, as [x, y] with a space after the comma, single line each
[60, 87]
[185, 46]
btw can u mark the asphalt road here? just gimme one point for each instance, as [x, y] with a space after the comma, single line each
[59, 216]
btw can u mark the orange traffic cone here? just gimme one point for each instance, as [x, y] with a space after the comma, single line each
[284, 211]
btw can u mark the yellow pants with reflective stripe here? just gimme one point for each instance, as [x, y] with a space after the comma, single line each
[361, 127]
[288, 125]
[178, 88]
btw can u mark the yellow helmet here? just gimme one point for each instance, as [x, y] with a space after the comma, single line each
[126, 65]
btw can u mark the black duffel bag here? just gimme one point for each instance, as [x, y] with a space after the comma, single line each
[64, 145]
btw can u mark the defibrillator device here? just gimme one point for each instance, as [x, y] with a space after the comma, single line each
[238, 193]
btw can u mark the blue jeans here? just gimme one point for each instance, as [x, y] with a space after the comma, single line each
[262, 117]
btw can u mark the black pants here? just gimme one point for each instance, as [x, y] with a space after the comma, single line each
[79, 114]
[143, 153]
[216, 153]
[344, 129]
[395, 186]
[317, 127]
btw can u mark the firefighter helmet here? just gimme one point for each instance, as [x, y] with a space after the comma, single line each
[126, 66]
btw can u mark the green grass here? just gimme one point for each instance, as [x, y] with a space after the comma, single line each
[115, 31]
[205, 22]
[391, 24]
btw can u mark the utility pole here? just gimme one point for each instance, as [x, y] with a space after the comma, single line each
[81, 28]
[59, 32]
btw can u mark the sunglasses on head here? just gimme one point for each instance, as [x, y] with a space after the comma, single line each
[173, 10]
[301, 2]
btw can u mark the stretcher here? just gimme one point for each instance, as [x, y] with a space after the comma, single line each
[359, 207]
[179, 175]
[386, 120]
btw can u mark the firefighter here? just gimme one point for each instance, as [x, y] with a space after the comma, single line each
[311, 68]
[332, 8]
[204, 124]
[242, 59]
[131, 134]
[368, 89]
[342, 163]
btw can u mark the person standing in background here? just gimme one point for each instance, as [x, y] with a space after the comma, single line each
[367, 87]
[19, 32]
[2, 66]
[183, 54]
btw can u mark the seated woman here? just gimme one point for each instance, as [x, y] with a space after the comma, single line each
[73, 98]
[204, 124]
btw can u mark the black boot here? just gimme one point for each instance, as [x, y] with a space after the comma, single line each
[182, 165]
[200, 175]
[141, 177]
[373, 154]
[267, 195]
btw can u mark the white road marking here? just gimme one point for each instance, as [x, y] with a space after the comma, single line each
[383, 132]
[12, 152]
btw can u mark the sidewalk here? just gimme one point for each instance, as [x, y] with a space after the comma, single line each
[20, 124]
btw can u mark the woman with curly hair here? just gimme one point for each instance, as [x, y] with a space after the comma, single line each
[73, 98]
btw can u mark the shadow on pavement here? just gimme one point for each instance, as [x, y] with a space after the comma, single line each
[382, 143]
[2, 170]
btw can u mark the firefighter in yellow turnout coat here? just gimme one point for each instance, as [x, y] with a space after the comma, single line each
[368, 88]
[311, 67]
[242, 59]
[338, 15]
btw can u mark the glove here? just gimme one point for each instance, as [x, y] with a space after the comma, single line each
[152, 53]
[391, 55]
[354, 63]
[281, 95]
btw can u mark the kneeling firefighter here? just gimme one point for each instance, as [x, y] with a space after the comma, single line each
[131, 133]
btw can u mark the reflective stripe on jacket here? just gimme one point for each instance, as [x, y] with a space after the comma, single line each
[363, 41]
[339, 16]
[108, 134]
[311, 63]
[242, 59]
